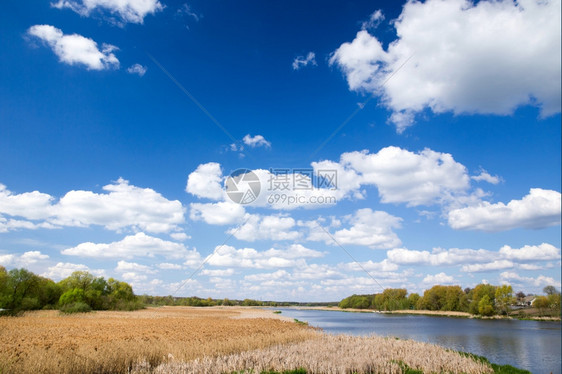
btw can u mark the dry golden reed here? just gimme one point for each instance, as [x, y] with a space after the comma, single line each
[112, 342]
[331, 354]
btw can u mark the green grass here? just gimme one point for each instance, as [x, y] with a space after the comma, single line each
[498, 369]
[277, 312]
[77, 307]
[301, 322]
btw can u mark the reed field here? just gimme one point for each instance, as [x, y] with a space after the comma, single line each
[112, 342]
[331, 354]
[205, 340]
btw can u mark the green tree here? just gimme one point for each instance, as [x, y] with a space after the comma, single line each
[21, 290]
[413, 299]
[504, 298]
[485, 306]
[478, 293]
[75, 295]
[541, 303]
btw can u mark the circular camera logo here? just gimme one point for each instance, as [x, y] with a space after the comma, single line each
[242, 186]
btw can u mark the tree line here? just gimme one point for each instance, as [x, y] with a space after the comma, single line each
[484, 300]
[22, 290]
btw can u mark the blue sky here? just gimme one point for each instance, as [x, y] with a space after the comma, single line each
[121, 121]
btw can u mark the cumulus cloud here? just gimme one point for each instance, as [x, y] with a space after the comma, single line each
[274, 227]
[22, 260]
[65, 269]
[303, 61]
[475, 260]
[488, 57]
[439, 256]
[138, 245]
[205, 182]
[490, 266]
[76, 49]
[132, 11]
[402, 176]
[123, 206]
[138, 69]
[366, 227]
[440, 278]
[221, 213]
[291, 256]
[539, 209]
[542, 252]
[124, 266]
[256, 141]
[540, 281]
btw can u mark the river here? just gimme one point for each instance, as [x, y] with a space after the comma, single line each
[530, 345]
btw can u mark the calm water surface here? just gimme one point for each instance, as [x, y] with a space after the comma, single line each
[530, 345]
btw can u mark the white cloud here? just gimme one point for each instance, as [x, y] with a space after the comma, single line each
[370, 228]
[275, 227]
[65, 269]
[124, 266]
[132, 11]
[402, 176]
[370, 266]
[303, 61]
[256, 141]
[221, 213]
[439, 256]
[124, 206]
[489, 58]
[542, 252]
[30, 205]
[440, 278]
[24, 260]
[217, 272]
[180, 236]
[486, 177]
[293, 255]
[76, 49]
[374, 20]
[539, 209]
[540, 281]
[138, 245]
[169, 266]
[205, 182]
[138, 69]
[490, 266]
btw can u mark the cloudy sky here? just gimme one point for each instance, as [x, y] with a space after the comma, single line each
[393, 145]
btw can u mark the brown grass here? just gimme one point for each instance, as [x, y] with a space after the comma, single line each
[333, 354]
[112, 342]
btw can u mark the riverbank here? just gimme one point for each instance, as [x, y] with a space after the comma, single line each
[436, 313]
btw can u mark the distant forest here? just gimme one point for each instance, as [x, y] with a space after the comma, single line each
[484, 300]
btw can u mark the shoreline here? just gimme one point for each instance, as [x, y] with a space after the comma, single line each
[430, 313]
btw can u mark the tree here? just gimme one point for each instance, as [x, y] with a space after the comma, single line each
[520, 295]
[550, 290]
[504, 298]
[478, 293]
[413, 299]
[541, 303]
[485, 307]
